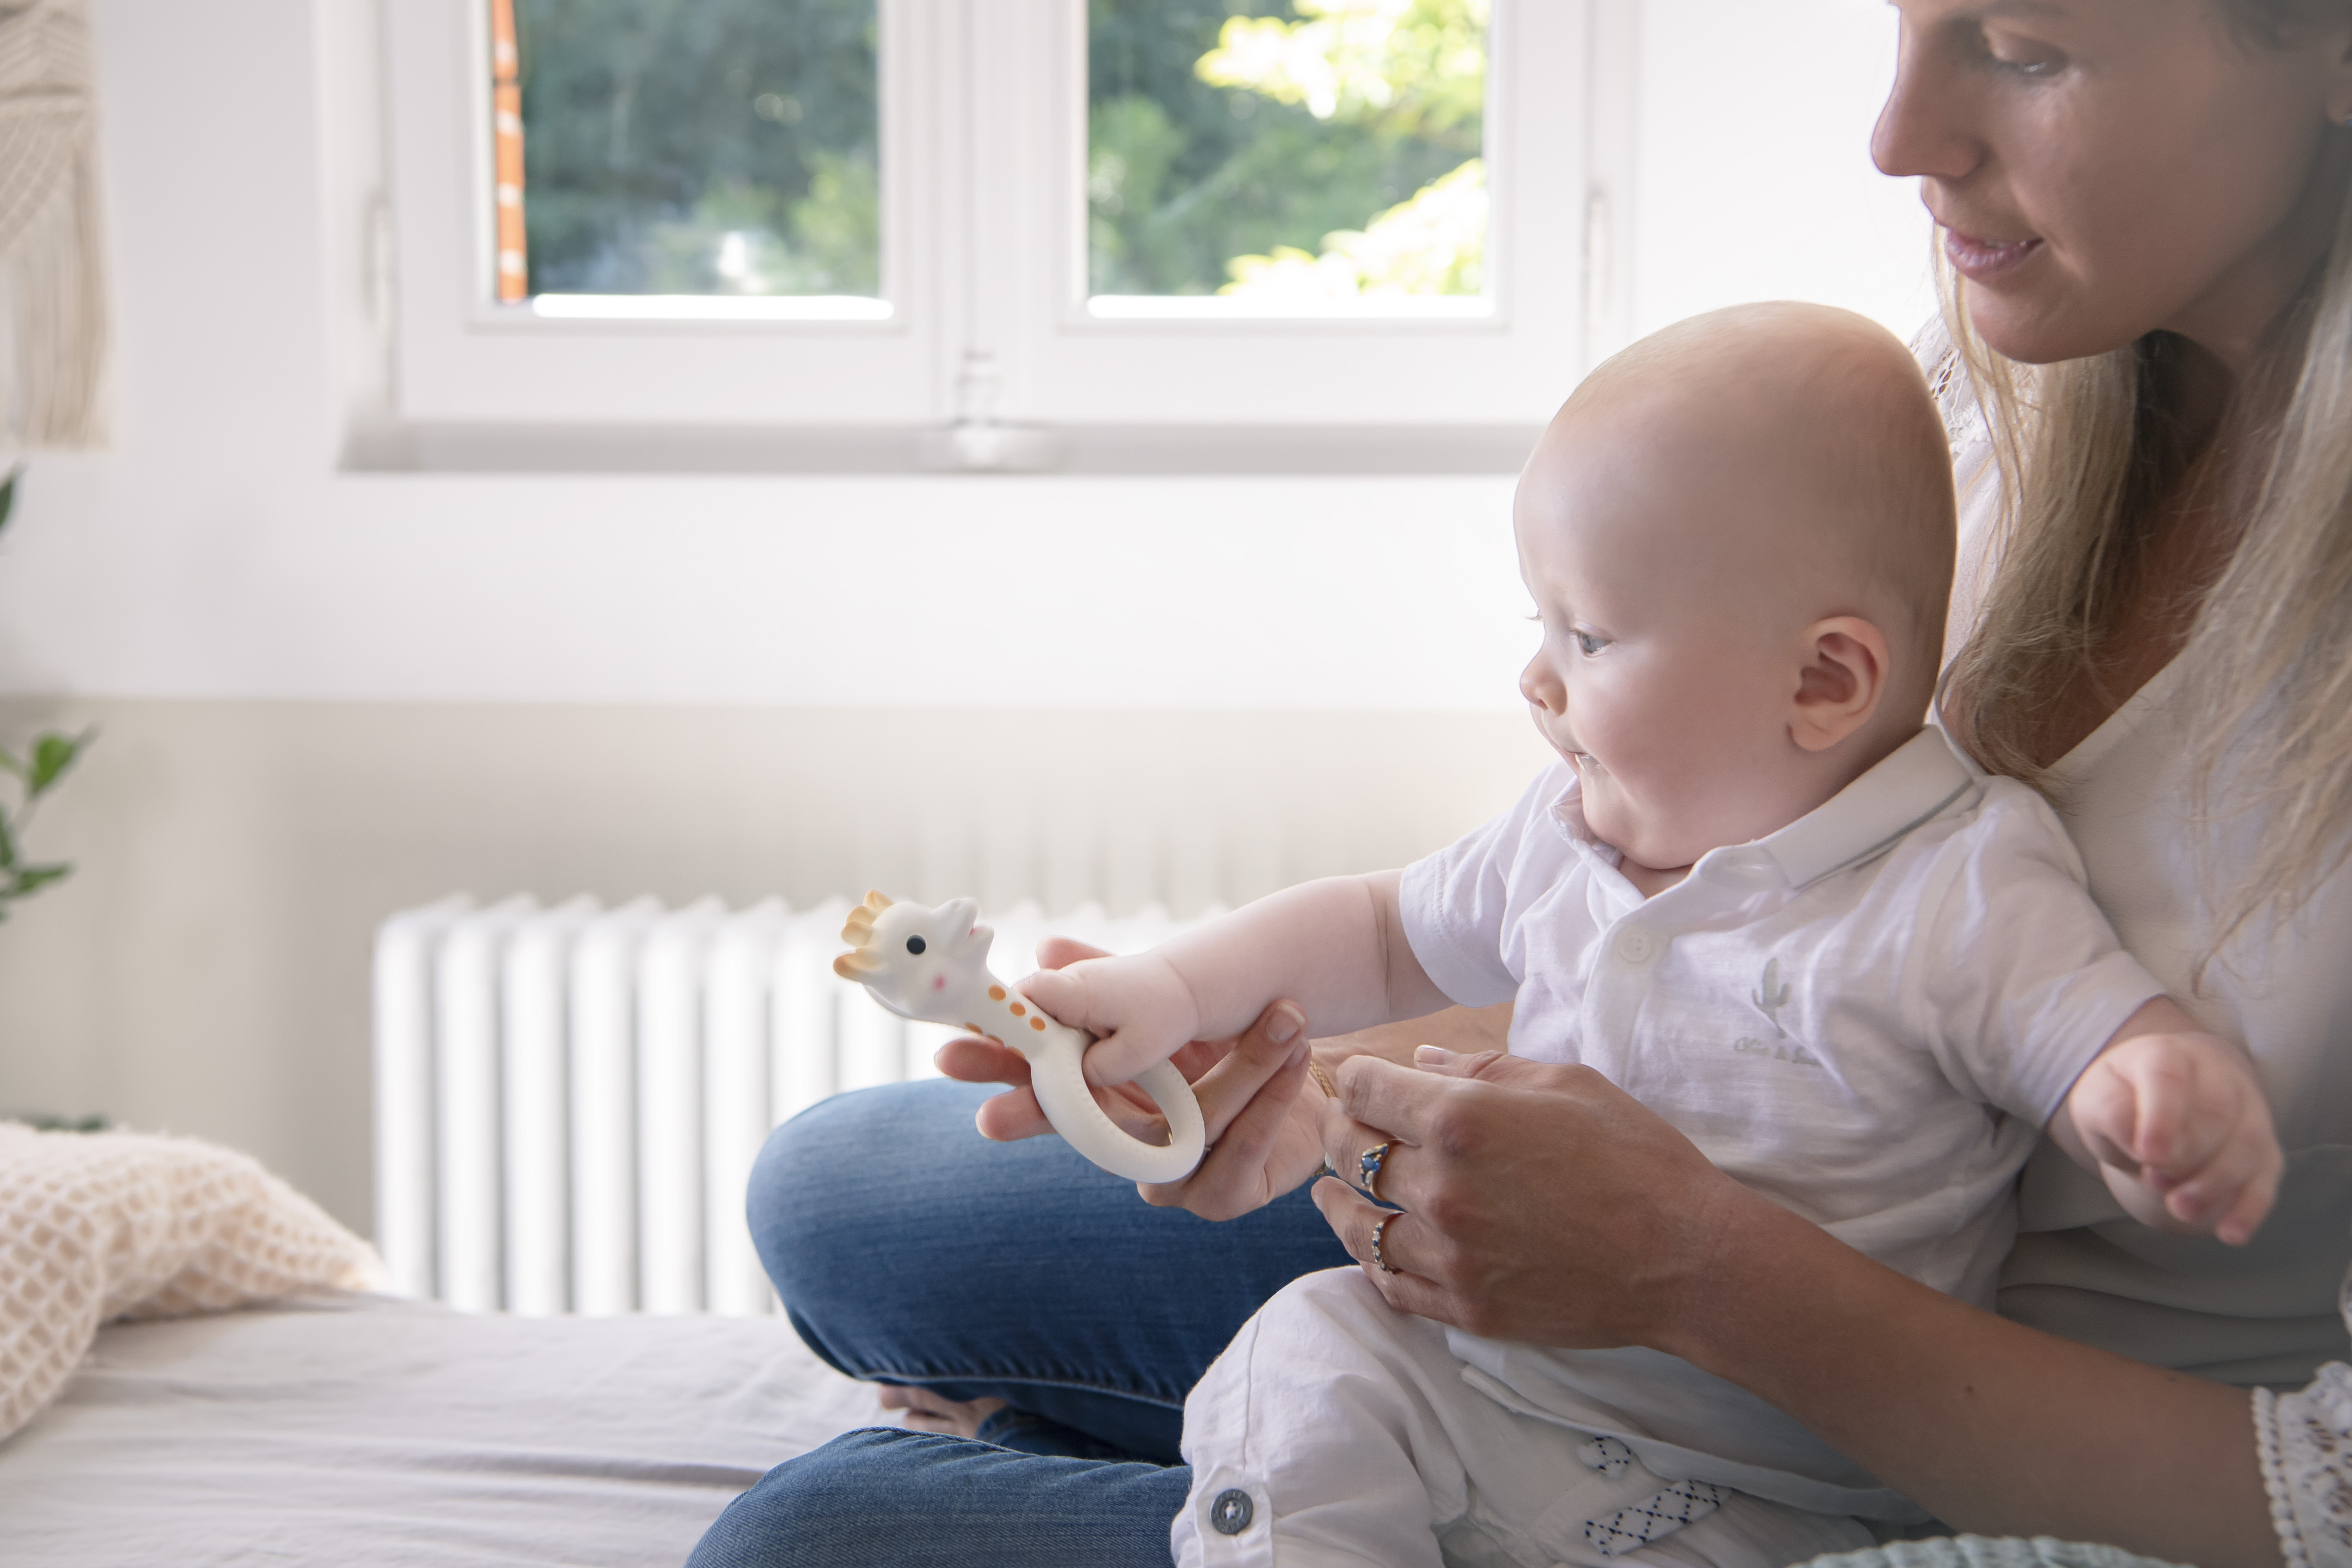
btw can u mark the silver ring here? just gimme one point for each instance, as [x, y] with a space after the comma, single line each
[1380, 1228]
[1368, 1165]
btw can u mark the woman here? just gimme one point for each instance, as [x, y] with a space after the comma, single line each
[2143, 205]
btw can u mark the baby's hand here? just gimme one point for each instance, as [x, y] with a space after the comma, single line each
[2181, 1131]
[1140, 1008]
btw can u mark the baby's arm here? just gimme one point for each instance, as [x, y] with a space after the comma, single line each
[2173, 1119]
[1336, 947]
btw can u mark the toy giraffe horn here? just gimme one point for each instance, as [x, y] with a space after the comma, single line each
[858, 930]
[860, 924]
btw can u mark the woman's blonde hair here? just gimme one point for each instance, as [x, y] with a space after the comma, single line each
[2084, 450]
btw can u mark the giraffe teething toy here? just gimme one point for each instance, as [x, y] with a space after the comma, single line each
[932, 966]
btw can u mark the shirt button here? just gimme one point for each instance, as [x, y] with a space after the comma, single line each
[1231, 1512]
[1635, 945]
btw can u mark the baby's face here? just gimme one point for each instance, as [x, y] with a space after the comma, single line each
[1669, 648]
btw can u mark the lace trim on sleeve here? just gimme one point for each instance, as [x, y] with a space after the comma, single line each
[2305, 1441]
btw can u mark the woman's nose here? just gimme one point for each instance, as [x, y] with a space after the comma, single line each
[1541, 686]
[1922, 131]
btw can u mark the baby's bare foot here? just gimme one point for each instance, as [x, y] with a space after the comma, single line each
[929, 1411]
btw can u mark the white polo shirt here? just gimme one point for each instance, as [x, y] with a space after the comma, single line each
[1867, 1017]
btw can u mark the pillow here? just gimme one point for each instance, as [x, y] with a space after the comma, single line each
[100, 1225]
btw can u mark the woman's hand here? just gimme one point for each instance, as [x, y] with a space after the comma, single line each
[1262, 1109]
[1257, 1100]
[1542, 1204]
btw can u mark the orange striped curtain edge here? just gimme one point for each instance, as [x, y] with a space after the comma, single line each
[506, 145]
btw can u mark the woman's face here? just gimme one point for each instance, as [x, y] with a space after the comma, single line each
[2100, 169]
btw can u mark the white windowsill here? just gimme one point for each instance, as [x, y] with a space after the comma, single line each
[1103, 450]
[1384, 309]
[705, 308]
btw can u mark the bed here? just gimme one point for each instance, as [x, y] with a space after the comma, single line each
[368, 1432]
[232, 1414]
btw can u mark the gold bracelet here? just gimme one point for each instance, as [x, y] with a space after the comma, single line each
[1322, 1080]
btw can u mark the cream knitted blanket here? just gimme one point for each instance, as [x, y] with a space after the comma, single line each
[52, 286]
[95, 1226]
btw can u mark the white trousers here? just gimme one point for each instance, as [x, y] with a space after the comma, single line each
[1335, 1430]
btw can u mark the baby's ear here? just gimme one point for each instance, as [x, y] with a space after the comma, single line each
[1841, 682]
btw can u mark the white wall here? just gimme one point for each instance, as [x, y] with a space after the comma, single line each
[1756, 184]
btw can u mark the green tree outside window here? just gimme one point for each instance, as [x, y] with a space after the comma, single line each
[721, 147]
[1331, 153]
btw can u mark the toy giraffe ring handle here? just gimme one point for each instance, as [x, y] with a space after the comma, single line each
[932, 964]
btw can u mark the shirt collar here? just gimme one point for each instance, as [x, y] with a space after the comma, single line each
[1912, 783]
[1607, 860]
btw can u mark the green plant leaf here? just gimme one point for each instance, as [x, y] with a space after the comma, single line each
[8, 493]
[52, 755]
[40, 1121]
[9, 762]
[31, 879]
[7, 845]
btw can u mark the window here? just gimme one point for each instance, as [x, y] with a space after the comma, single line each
[1264, 167]
[691, 264]
[1077, 214]
[715, 160]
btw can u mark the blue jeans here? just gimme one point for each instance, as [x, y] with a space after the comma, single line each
[906, 1248]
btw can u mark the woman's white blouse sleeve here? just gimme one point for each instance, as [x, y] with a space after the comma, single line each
[2305, 1442]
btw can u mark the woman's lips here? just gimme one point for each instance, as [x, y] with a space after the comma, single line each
[1982, 260]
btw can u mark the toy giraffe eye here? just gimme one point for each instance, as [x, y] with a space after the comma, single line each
[914, 944]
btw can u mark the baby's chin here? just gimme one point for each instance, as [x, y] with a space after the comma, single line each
[1606, 816]
[1638, 841]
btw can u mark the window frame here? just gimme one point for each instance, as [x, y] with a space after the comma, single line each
[462, 357]
[982, 168]
[1067, 364]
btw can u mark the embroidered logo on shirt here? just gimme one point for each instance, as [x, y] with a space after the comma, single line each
[1769, 997]
[1772, 996]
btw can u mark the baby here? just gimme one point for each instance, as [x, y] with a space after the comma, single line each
[1760, 894]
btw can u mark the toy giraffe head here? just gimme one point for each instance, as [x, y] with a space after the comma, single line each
[919, 963]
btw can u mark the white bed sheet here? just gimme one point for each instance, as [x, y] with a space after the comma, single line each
[369, 1432]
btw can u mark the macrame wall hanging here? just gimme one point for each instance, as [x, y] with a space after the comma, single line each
[52, 284]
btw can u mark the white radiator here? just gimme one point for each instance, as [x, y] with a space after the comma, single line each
[569, 1098]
